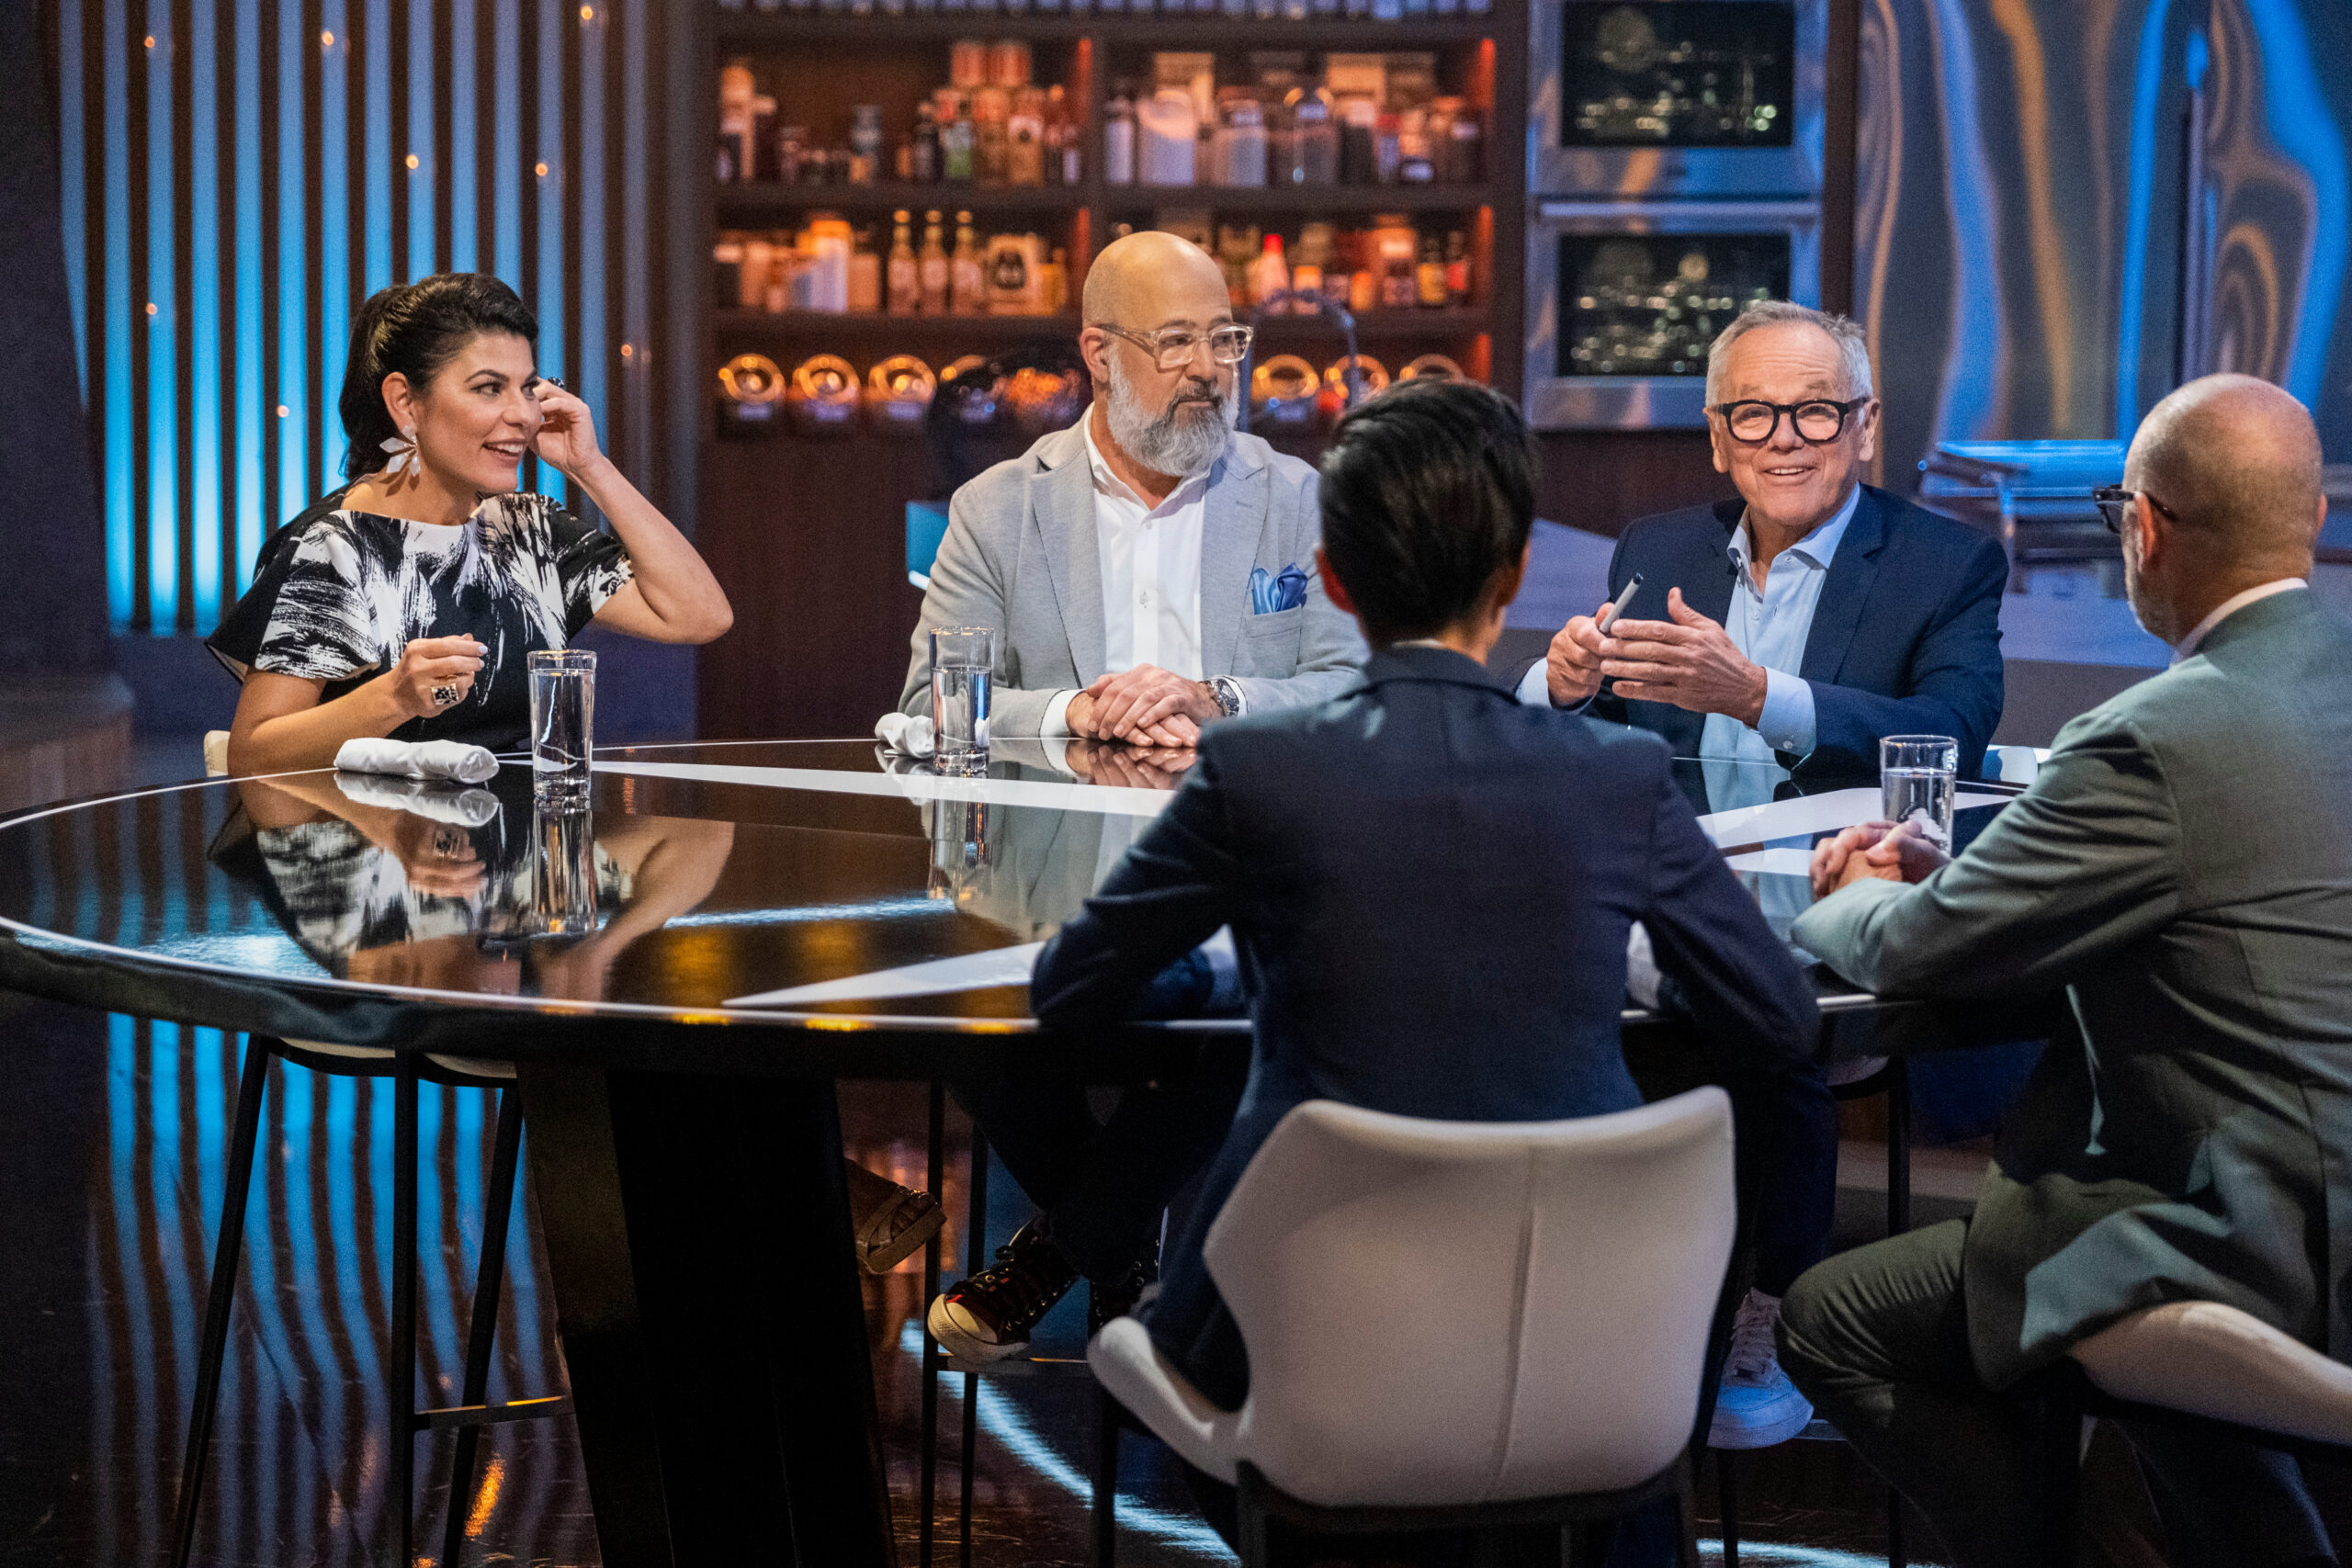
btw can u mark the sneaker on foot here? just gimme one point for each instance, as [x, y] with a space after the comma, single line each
[1756, 1405]
[1120, 1297]
[991, 1315]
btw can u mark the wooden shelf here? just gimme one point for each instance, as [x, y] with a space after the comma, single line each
[1312, 201]
[761, 199]
[863, 330]
[754, 30]
[1376, 326]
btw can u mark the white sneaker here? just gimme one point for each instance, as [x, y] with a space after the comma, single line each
[1758, 1405]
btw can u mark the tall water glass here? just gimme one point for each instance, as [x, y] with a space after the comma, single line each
[563, 723]
[1918, 775]
[962, 661]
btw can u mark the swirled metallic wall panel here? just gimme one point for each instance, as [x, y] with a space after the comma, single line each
[2065, 207]
[240, 175]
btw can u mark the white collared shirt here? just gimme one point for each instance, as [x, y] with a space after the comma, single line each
[2228, 607]
[1150, 558]
[1770, 626]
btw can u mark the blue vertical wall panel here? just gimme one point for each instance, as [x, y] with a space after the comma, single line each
[262, 151]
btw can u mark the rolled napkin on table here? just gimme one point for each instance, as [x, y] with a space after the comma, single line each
[908, 733]
[417, 760]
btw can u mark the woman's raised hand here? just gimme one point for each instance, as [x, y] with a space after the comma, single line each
[566, 435]
[431, 665]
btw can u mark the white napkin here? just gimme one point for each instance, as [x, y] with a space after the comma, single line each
[906, 733]
[463, 807]
[417, 760]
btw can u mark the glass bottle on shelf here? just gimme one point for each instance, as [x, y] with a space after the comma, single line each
[865, 277]
[1024, 131]
[1314, 141]
[1119, 139]
[931, 268]
[923, 147]
[968, 286]
[957, 143]
[904, 290]
[1457, 268]
[1429, 277]
[1065, 147]
[991, 154]
[1269, 275]
[866, 145]
[1238, 146]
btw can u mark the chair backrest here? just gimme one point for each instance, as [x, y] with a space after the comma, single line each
[1451, 1313]
[216, 753]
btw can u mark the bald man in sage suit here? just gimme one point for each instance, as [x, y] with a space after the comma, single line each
[2182, 866]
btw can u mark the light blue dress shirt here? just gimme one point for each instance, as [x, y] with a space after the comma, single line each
[1769, 627]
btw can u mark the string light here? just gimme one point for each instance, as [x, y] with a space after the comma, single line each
[543, 170]
[326, 41]
[411, 159]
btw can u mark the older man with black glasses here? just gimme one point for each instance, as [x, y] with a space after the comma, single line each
[1799, 624]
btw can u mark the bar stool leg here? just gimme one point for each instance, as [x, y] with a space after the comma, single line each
[934, 1159]
[399, 1488]
[483, 1319]
[212, 1348]
[1898, 1220]
[1727, 1492]
[975, 1260]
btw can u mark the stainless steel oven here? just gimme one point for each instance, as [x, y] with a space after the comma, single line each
[1643, 99]
[1623, 297]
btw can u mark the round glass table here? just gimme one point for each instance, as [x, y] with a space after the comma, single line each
[679, 974]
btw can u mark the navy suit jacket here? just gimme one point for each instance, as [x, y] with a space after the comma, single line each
[1430, 887]
[1905, 640]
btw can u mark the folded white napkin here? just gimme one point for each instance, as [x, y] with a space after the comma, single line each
[903, 732]
[425, 797]
[417, 760]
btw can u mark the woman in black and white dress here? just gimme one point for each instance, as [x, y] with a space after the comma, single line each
[402, 604]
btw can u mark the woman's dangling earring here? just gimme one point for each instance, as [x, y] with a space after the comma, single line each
[405, 462]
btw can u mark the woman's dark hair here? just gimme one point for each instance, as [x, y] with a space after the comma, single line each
[416, 329]
[1428, 491]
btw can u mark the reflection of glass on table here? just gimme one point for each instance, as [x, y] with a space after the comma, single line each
[563, 871]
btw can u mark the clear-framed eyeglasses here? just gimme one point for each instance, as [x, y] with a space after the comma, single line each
[1818, 421]
[1172, 348]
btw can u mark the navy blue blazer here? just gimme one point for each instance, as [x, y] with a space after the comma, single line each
[1430, 887]
[1905, 640]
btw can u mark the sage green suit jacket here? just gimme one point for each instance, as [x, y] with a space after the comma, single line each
[2183, 867]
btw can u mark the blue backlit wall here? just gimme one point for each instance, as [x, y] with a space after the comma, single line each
[240, 175]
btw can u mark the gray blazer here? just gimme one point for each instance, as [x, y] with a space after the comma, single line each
[2183, 867]
[1021, 556]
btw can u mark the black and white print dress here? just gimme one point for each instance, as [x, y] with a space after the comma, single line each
[338, 595]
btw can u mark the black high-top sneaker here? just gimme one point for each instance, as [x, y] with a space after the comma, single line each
[1118, 1298]
[991, 1315]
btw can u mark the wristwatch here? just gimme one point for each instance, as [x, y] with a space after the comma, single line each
[1226, 692]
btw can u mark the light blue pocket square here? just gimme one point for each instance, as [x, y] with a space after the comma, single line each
[1284, 590]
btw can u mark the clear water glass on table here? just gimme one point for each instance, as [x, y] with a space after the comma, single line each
[1918, 777]
[963, 661]
[563, 723]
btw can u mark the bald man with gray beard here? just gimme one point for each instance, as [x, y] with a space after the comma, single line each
[2182, 868]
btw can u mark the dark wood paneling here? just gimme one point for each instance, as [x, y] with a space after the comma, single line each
[808, 535]
[1602, 479]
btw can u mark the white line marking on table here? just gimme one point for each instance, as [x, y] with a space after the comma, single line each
[1111, 800]
[965, 972]
[1808, 813]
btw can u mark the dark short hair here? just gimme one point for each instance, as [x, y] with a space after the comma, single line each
[1428, 490]
[416, 329]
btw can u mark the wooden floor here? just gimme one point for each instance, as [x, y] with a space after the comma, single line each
[110, 1168]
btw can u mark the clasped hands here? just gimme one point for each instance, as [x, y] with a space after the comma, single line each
[1688, 660]
[1143, 707]
[1885, 850]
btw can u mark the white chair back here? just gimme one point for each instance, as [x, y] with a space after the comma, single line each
[1452, 1313]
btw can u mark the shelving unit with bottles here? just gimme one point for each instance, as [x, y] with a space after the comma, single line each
[806, 528]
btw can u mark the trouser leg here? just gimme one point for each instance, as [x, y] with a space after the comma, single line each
[1878, 1339]
[2228, 1504]
[1103, 1185]
[1787, 1159]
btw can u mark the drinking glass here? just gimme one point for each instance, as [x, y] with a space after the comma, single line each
[962, 659]
[1918, 775]
[563, 723]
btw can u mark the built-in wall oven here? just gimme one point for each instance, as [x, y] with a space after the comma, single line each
[1675, 148]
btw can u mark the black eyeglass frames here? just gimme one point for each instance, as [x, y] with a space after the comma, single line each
[2113, 501]
[1817, 421]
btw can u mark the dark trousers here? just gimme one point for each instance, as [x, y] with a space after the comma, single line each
[1104, 1183]
[1786, 1155]
[1878, 1339]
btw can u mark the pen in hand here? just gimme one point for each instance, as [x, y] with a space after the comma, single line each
[1617, 610]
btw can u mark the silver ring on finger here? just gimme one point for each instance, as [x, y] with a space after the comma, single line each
[445, 696]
